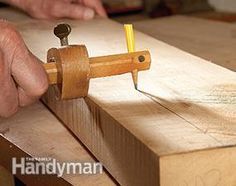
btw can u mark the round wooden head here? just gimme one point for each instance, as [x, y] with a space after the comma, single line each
[73, 70]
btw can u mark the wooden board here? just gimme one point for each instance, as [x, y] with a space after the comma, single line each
[163, 135]
[211, 40]
[5, 177]
[10, 150]
[37, 132]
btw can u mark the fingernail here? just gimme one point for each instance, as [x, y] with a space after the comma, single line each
[89, 14]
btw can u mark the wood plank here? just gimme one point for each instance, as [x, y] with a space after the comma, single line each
[10, 150]
[37, 132]
[5, 177]
[211, 40]
[187, 106]
[220, 165]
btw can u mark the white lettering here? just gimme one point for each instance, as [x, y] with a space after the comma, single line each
[87, 169]
[15, 165]
[60, 169]
[29, 168]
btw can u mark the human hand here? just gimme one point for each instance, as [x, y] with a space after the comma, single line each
[53, 9]
[22, 78]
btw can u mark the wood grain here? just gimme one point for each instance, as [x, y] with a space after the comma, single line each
[211, 40]
[204, 168]
[37, 132]
[185, 106]
[70, 69]
[73, 68]
[104, 66]
[6, 177]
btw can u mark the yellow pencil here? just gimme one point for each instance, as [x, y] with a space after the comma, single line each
[129, 32]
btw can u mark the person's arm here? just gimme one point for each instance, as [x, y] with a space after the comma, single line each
[22, 77]
[54, 9]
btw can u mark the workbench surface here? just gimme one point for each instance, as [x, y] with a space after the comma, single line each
[212, 40]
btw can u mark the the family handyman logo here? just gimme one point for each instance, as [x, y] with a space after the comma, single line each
[36, 166]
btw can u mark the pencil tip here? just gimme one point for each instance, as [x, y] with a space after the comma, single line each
[136, 86]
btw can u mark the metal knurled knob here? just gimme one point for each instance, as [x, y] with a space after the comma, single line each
[62, 31]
